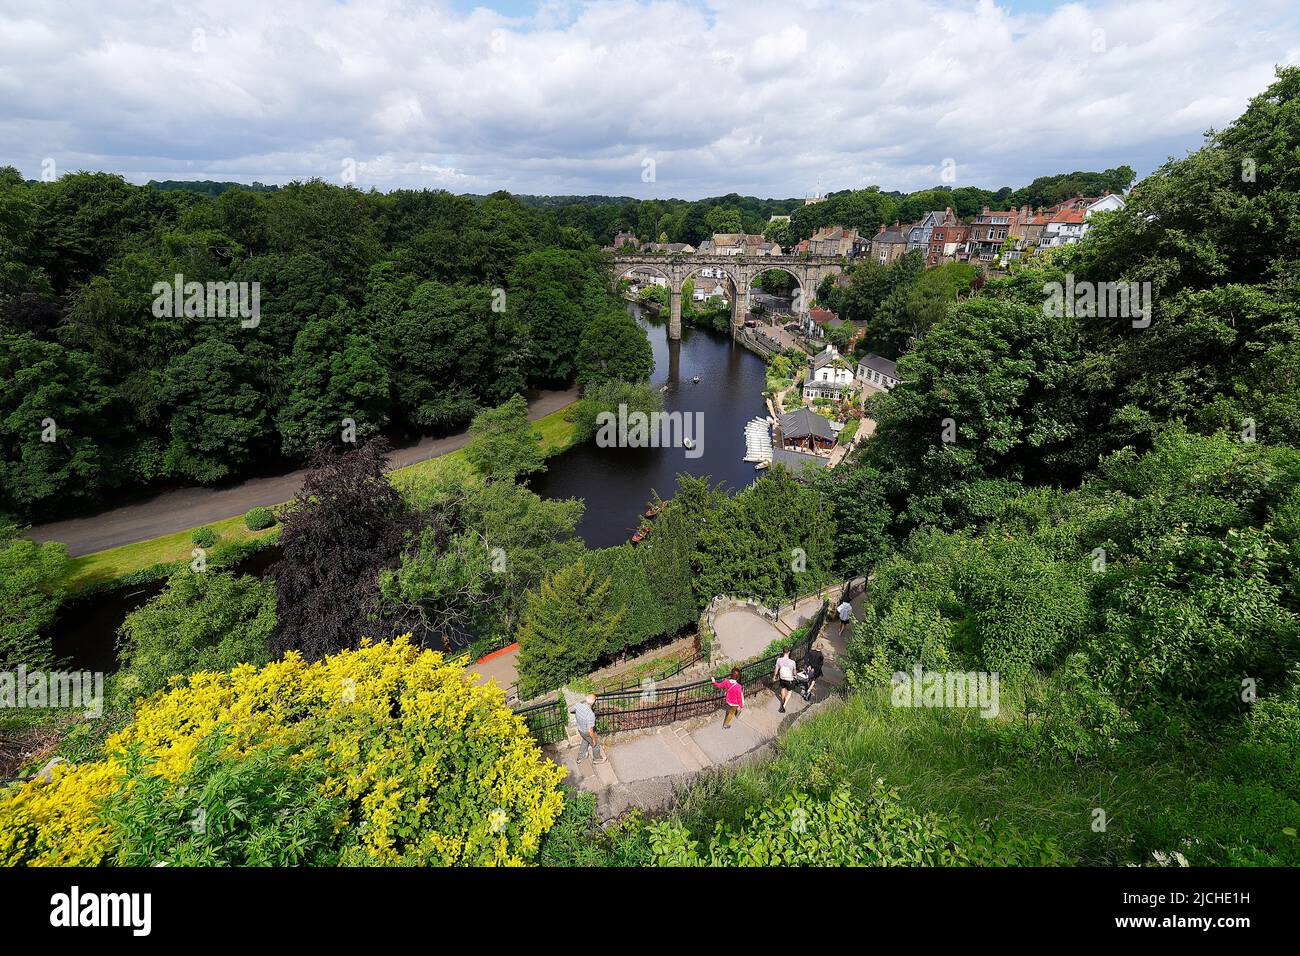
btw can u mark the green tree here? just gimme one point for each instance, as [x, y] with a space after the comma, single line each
[503, 442]
[31, 590]
[218, 419]
[55, 411]
[614, 348]
[335, 373]
[199, 622]
[774, 540]
[570, 621]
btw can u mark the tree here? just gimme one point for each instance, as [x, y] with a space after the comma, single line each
[442, 350]
[569, 623]
[344, 526]
[629, 589]
[503, 442]
[55, 411]
[773, 540]
[338, 387]
[443, 587]
[31, 590]
[723, 219]
[614, 348]
[199, 622]
[218, 420]
[667, 551]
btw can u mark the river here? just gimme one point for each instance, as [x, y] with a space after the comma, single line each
[617, 482]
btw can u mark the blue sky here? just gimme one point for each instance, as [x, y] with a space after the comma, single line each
[620, 97]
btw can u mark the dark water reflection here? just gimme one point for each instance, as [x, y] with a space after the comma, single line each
[617, 482]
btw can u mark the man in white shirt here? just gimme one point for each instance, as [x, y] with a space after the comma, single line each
[783, 673]
[845, 611]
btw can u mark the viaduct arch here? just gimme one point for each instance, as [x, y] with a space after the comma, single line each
[808, 271]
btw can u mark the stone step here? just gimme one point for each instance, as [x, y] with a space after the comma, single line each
[605, 771]
[688, 751]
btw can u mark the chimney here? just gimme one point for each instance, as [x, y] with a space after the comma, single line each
[882, 228]
[985, 211]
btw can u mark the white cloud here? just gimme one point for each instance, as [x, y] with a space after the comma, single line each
[753, 96]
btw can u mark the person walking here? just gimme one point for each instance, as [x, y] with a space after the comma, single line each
[783, 673]
[584, 715]
[812, 663]
[845, 611]
[735, 696]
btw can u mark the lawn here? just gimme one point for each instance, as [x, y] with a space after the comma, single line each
[90, 569]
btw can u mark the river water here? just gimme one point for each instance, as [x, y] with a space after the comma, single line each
[616, 483]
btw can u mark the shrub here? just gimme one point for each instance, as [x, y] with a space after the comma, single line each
[204, 536]
[209, 621]
[385, 755]
[31, 590]
[259, 518]
[841, 830]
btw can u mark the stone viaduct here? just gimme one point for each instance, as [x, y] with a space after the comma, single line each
[808, 271]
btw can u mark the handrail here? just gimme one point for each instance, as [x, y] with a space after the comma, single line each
[635, 708]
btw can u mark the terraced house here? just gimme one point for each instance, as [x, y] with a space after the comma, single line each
[890, 243]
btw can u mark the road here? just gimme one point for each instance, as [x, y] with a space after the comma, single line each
[185, 508]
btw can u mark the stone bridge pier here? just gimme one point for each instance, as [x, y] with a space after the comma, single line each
[808, 272]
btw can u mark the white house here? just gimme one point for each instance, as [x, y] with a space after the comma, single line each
[878, 372]
[705, 290]
[829, 377]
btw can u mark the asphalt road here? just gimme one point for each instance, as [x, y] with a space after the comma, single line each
[185, 508]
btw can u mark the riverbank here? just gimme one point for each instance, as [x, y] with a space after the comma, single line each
[98, 568]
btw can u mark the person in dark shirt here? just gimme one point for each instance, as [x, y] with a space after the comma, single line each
[812, 663]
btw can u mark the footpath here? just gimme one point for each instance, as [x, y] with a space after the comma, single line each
[647, 768]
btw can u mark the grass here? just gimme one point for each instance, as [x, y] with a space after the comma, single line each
[944, 761]
[101, 566]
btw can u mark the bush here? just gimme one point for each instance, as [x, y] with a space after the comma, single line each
[204, 536]
[31, 590]
[199, 622]
[259, 518]
[841, 830]
[386, 755]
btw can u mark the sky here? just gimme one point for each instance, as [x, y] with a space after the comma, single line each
[625, 98]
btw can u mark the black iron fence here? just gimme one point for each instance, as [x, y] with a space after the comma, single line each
[651, 706]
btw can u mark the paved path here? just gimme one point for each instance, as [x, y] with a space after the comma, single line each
[503, 668]
[743, 632]
[186, 508]
[648, 768]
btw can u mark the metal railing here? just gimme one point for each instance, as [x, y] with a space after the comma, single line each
[632, 709]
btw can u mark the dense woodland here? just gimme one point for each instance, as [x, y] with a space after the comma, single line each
[1106, 515]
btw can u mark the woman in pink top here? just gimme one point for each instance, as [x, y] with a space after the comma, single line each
[735, 696]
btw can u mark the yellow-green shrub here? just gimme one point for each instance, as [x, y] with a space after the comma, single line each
[56, 824]
[429, 768]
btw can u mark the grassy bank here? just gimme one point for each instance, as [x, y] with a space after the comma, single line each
[942, 760]
[104, 566]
